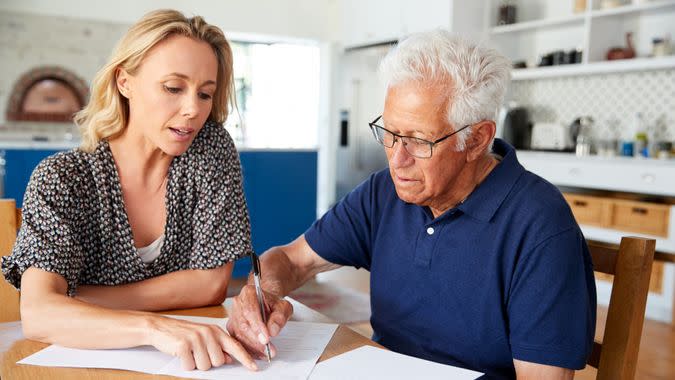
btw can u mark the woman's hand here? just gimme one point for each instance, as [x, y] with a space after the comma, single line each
[197, 345]
[246, 323]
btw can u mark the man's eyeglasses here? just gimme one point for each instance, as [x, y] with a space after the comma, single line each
[419, 148]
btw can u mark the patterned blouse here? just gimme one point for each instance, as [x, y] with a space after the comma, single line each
[75, 224]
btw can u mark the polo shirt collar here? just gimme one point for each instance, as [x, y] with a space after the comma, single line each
[486, 199]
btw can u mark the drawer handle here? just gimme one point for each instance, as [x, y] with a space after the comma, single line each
[581, 203]
[640, 210]
[649, 178]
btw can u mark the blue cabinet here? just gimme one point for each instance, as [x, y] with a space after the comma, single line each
[19, 165]
[280, 188]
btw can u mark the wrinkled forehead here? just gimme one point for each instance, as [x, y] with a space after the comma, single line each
[414, 106]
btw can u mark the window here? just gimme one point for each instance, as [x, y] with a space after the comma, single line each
[277, 96]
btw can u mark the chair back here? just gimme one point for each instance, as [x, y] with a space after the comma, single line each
[631, 264]
[10, 220]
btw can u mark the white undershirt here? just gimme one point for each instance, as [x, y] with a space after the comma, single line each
[150, 253]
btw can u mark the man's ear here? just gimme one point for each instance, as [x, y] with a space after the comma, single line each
[482, 134]
[122, 79]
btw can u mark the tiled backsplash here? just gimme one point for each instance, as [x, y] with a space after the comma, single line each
[611, 99]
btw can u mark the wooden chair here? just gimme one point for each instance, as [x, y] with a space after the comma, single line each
[631, 264]
[10, 220]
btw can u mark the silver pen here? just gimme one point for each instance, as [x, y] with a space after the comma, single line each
[261, 300]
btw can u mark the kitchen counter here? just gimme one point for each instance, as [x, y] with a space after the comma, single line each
[625, 174]
[571, 157]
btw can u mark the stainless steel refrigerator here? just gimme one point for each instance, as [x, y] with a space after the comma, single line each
[361, 99]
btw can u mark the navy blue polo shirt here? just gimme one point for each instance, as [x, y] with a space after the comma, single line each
[506, 274]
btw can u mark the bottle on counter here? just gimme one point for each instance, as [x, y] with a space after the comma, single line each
[641, 147]
[584, 143]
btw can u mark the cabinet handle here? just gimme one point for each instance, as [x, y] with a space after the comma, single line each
[640, 210]
[581, 203]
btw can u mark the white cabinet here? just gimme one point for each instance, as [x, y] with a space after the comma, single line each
[368, 22]
[545, 26]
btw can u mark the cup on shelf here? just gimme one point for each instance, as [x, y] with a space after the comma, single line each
[506, 14]
[579, 6]
[607, 4]
[661, 46]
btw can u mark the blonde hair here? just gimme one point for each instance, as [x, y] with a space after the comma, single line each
[107, 113]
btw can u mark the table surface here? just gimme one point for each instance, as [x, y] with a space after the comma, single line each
[342, 341]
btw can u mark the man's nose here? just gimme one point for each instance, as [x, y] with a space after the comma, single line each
[400, 156]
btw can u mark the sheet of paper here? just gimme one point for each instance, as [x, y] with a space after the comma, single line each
[299, 346]
[369, 362]
[10, 332]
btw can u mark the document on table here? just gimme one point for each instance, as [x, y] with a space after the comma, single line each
[369, 362]
[299, 346]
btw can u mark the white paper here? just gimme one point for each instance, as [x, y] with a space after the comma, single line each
[10, 332]
[299, 346]
[369, 362]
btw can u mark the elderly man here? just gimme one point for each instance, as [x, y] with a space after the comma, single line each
[474, 261]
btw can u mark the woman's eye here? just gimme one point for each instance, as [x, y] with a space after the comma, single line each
[173, 90]
[204, 96]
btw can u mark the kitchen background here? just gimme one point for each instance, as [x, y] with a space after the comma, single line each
[307, 88]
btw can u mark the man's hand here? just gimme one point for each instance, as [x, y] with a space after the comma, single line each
[246, 325]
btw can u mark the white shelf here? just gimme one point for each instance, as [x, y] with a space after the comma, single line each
[537, 24]
[580, 17]
[635, 64]
[627, 9]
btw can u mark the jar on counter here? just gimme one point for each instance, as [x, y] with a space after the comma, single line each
[663, 149]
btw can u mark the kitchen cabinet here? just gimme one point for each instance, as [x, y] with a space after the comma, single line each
[544, 26]
[279, 185]
[369, 22]
[615, 197]
[643, 218]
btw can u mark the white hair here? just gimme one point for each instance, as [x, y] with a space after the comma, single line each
[475, 76]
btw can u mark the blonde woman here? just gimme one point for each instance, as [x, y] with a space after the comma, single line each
[149, 213]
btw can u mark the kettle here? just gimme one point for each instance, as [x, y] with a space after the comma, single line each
[515, 126]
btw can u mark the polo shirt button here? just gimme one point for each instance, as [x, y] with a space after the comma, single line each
[430, 230]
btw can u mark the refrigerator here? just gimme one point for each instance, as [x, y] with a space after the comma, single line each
[360, 101]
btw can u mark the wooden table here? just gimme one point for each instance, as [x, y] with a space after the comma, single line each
[343, 340]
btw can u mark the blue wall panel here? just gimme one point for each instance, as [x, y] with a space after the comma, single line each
[280, 191]
[18, 168]
[280, 188]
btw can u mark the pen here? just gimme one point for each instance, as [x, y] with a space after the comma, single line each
[261, 300]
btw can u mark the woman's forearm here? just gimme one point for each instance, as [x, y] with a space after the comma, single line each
[48, 315]
[68, 322]
[176, 290]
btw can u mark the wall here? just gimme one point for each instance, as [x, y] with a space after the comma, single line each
[30, 40]
[309, 19]
[611, 99]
